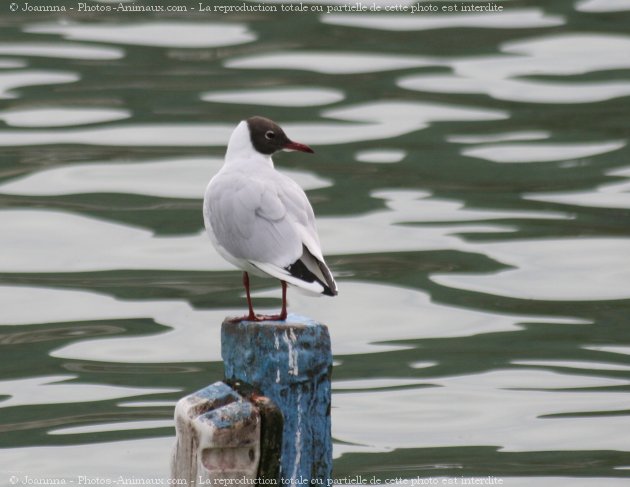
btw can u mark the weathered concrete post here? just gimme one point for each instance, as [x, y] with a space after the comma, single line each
[290, 362]
[218, 436]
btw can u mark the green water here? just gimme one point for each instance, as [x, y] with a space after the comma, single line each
[471, 182]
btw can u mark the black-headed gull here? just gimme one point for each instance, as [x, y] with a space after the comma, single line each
[260, 220]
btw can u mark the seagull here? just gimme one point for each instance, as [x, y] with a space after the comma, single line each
[260, 220]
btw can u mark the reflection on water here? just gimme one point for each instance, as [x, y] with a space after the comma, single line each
[382, 156]
[330, 62]
[602, 5]
[57, 117]
[278, 97]
[541, 152]
[11, 63]
[162, 34]
[512, 19]
[11, 80]
[471, 186]
[68, 50]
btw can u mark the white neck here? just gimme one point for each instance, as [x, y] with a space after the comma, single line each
[241, 150]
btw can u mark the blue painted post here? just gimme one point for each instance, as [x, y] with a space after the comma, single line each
[290, 362]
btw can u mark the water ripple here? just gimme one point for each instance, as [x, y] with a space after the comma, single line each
[372, 120]
[570, 269]
[564, 54]
[118, 426]
[171, 178]
[58, 389]
[610, 195]
[12, 63]
[175, 345]
[500, 411]
[77, 243]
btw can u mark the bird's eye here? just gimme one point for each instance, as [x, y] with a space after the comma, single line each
[270, 134]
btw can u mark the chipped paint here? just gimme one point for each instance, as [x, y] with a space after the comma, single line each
[298, 441]
[292, 351]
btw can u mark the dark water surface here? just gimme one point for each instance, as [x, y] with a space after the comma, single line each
[472, 186]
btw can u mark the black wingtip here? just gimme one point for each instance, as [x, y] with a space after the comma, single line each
[299, 270]
[329, 292]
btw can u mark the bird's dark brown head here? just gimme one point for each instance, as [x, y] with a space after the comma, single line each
[268, 137]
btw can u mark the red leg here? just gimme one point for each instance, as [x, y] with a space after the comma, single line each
[283, 313]
[253, 316]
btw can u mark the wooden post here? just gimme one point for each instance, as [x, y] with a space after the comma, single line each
[290, 362]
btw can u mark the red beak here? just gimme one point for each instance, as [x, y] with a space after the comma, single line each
[297, 146]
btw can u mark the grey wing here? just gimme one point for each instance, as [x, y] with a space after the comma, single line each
[301, 212]
[309, 268]
[251, 221]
